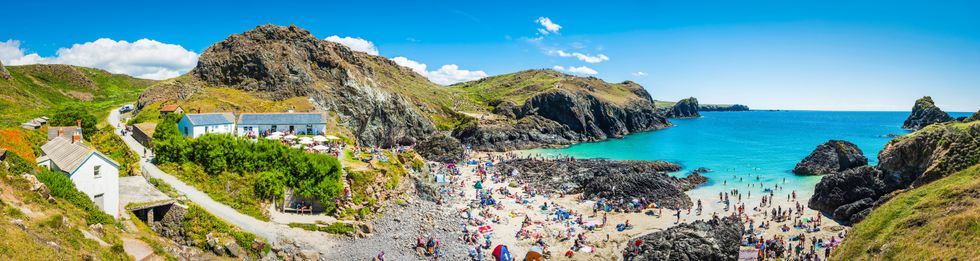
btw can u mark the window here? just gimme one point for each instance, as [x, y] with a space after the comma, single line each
[185, 131]
[309, 129]
[99, 201]
[273, 128]
[98, 171]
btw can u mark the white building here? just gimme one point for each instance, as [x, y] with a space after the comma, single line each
[260, 124]
[92, 172]
[195, 125]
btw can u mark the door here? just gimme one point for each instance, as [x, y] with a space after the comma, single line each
[100, 201]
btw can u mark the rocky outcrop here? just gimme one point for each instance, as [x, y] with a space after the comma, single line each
[607, 179]
[906, 162]
[974, 117]
[831, 157]
[715, 239]
[441, 148]
[4, 74]
[686, 108]
[723, 107]
[924, 113]
[562, 117]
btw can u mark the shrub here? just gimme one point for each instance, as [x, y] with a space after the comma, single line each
[68, 115]
[62, 187]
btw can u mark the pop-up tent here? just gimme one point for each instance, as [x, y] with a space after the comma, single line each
[500, 253]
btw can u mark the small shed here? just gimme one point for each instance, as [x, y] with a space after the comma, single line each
[170, 108]
[143, 133]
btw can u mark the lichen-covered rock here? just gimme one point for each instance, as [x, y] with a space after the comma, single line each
[4, 74]
[716, 239]
[831, 157]
[924, 113]
[441, 148]
[686, 108]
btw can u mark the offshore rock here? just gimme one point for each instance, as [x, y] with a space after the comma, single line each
[924, 113]
[716, 239]
[686, 108]
[831, 157]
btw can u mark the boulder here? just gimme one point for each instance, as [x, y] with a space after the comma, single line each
[716, 239]
[308, 255]
[831, 157]
[234, 250]
[686, 108]
[924, 113]
[441, 148]
[838, 189]
[215, 246]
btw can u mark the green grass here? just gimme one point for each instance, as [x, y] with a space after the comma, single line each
[236, 191]
[38, 90]
[110, 144]
[198, 223]
[337, 228]
[520, 86]
[938, 221]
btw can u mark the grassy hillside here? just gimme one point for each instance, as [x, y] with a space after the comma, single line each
[37, 90]
[520, 86]
[938, 221]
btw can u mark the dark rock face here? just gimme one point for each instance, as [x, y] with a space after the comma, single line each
[686, 108]
[4, 74]
[831, 157]
[607, 179]
[441, 148]
[561, 117]
[506, 108]
[716, 239]
[924, 113]
[906, 162]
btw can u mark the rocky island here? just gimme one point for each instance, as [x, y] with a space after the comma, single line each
[831, 157]
[924, 113]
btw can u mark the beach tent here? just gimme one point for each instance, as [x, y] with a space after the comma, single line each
[534, 254]
[478, 185]
[440, 178]
[500, 253]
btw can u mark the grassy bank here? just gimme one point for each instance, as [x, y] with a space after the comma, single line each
[938, 221]
[236, 191]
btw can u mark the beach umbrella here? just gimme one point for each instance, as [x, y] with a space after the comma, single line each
[289, 137]
[320, 147]
[500, 253]
[278, 133]
[297, 146]
[331, 137]
[274, 137]
[306, 142]
[320, 138]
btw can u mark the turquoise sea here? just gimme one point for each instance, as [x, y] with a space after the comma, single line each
[742, 146]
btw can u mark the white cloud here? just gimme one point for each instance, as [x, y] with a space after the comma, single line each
[143, 58]
[577, 70]
[354, 43]
[445, 75]
[639, 74]
[582, 57]
[549, 27]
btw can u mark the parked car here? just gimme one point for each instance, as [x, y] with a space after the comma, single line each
[126, 108]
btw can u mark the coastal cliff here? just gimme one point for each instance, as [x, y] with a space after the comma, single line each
[925, 112]
[831, 157]
[906, 162]
[538, 108]
[686, 108]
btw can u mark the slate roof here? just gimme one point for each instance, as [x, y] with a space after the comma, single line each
[68, 156]
[69, 130]
[281, 118]
[210, 118]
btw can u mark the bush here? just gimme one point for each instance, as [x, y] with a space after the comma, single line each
[62, 187]
[198, 223]
[68, 115]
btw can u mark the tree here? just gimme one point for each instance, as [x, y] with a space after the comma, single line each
[70, 114]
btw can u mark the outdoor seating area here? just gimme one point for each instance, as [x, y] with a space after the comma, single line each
[328, 144]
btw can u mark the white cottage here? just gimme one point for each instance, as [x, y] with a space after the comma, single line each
[195, 125]
[92, 172]
[260, 124]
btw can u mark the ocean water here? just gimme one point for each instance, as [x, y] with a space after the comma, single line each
[753, 147]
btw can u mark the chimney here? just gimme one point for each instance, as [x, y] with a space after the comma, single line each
[61, 131]
[76, 137]
[78, 123]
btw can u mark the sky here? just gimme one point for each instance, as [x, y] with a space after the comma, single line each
[819, 55]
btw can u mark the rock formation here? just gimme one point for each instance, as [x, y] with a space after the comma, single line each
[686, 108]
[716, 239]
[4, 74]
[723, 107]
[905, 162]
[441, 148]
[974, 117]
[607, 179]
[924, 113]
[831, 157]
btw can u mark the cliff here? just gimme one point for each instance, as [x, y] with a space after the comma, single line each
[831, 157]
[545, 108]
[906, 162]
[925, 112]
[686, 108]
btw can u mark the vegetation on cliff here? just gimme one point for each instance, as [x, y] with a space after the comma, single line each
[937, 221]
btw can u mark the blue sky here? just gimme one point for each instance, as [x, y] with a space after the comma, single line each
[825, 55]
